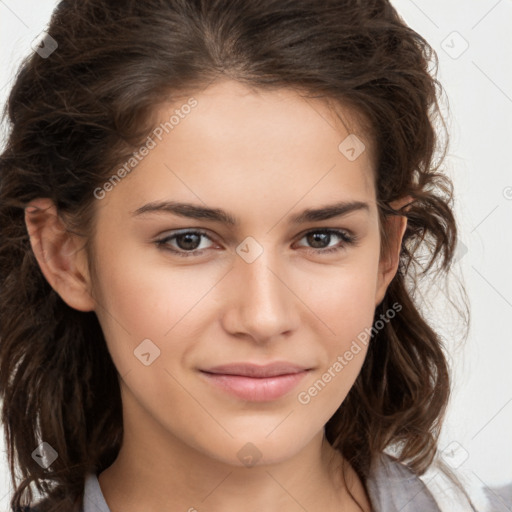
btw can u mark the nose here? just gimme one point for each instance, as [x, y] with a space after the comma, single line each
[261, 301]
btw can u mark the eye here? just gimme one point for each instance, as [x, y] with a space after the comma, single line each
[321, 237]
[188, 243]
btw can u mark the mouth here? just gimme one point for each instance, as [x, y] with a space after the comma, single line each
[256, 383]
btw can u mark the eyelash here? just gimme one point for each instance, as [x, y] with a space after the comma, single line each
[343, 235]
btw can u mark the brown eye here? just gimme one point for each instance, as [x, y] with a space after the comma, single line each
[320, 239]
[186, 243]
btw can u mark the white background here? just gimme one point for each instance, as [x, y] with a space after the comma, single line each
[478, 85]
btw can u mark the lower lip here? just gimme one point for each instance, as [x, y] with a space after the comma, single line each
[256, 389]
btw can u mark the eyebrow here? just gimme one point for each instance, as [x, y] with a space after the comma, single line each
[193, 211]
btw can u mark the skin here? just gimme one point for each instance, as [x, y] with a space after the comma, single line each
[263, 157]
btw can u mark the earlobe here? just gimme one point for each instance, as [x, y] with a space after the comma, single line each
[59, 254]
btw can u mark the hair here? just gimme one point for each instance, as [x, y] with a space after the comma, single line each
[76, 115]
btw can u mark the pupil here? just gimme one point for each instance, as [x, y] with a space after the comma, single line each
[187, 237]
[315, 237]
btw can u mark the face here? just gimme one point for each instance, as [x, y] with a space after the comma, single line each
[210, 253]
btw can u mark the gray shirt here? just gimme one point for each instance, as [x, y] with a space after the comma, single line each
[391, 486]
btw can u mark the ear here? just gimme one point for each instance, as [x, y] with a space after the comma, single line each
[59, 254]
[388, 265]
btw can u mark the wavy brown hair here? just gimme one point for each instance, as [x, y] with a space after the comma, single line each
[76, 115]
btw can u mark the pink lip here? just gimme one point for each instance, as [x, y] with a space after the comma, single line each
[254, 382]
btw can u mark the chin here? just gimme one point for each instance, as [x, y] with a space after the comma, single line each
[259, 450]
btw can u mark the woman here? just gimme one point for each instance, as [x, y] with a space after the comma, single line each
[212, 220]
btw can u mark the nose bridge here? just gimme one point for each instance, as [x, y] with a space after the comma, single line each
[262, 304]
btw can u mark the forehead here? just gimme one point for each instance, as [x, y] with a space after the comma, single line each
[281, 121]
[242, 143]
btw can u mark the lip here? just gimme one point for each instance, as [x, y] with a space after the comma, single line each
[256, 383]
[255, 370]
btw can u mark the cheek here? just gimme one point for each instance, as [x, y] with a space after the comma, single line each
[346, 307]
[345, 301]
[345, 304]
[344, 298]
[136, 301]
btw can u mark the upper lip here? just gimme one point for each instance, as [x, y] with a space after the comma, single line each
[257, 371]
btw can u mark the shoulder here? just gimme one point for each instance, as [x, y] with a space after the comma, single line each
[43, 505]
[92, 499]
[393, 486]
